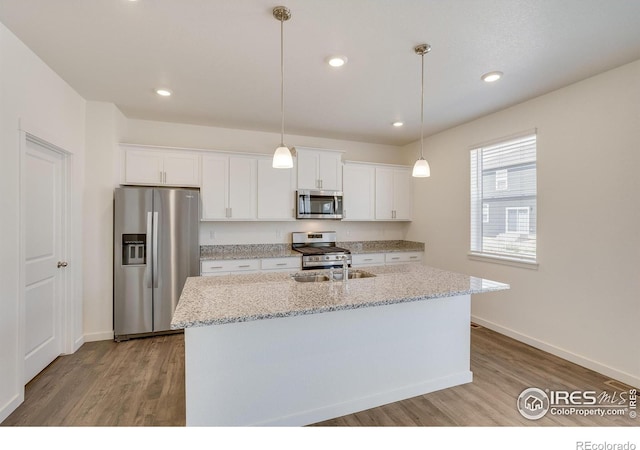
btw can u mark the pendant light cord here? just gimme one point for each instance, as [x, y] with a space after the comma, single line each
[282, 81]
[422, 109]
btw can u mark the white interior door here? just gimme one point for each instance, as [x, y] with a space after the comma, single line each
[44, 265]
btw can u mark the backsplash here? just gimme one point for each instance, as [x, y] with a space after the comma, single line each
[234, 233]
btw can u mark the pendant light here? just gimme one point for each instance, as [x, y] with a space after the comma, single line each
[421, 168]
[282, 156]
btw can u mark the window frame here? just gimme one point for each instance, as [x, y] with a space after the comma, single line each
[479, 203]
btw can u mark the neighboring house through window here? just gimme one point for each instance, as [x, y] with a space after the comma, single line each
[503, 181]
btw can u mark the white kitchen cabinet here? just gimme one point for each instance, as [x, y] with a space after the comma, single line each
[319, 169]
[367, 259]
[276, 192]
[381, 259]
[290, 264]
[358, 187]
[403, 257]
[229, 266]
[394, 193]
[229, 187]
[160, 167]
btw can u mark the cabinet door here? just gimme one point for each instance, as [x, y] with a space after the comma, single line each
[243, 179]
[182, 169]
[403, 194]
[307, 169]
[143, 167]
[276, 192]
[359, 192]
[214, 189]
[384, 193]
[330, 171]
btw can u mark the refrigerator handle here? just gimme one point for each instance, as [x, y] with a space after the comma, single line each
[147, 270]
[155, 249]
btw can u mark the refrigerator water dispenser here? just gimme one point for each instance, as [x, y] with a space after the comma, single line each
[134, 249]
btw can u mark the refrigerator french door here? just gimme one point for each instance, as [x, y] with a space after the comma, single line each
[155, 249]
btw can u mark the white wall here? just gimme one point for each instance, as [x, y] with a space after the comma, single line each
[583, 302]
[32, 95]
[105, 122]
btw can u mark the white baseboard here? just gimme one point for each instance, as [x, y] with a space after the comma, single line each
[619, 375]
[99, 336]
[11, 405]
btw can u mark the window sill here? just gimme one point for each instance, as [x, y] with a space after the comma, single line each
[505, 260]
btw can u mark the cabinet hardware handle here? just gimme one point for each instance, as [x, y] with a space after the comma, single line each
[161, 178]
[216, 267]
[413, 257]
[62, 264]
[368, 259]
[281, 264]
[244, 265]
[395, 257]
[230, 212]
[165, 177]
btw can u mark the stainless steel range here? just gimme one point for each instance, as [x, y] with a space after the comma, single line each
[319, 250]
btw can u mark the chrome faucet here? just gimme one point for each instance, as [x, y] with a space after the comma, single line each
[345, 268]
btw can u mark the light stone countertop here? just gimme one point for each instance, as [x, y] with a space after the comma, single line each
[241, 298]
[259, 251]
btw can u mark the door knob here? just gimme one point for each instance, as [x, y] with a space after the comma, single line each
[62, 264]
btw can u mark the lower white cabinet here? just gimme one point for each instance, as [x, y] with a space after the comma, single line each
[381, 259]
[281, 264]
[239, 266]
[402, 257]
[227, 266]
[367, 259]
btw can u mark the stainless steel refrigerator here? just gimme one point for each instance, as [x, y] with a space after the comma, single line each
[155, 250]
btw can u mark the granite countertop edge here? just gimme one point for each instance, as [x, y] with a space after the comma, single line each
[231, 299]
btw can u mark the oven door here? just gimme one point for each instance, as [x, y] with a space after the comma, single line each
[319, 204]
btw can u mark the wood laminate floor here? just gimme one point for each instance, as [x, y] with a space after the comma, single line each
[141, 383]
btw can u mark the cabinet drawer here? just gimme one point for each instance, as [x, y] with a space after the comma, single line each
[367, 259]
[229, 265]
[292, 263]
[403, 257]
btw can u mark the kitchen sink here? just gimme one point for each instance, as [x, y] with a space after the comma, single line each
[337, 276]
[309, 278]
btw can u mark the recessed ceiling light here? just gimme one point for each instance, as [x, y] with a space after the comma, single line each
[491, 76]
[337, 61]
[397, 124]
[163, 92]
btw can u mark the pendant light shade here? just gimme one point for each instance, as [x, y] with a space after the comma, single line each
[421, 168]
[282, 156]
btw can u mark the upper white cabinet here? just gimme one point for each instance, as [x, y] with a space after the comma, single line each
[229, 187]
[319, 169]
[359, 191]
[394, 193]
[160, 167]
[276, 192]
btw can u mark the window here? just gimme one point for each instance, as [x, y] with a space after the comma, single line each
[503, 180]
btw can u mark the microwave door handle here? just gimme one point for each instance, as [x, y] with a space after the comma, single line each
[335, 205]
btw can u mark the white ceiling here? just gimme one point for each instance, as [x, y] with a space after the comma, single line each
[221, 58]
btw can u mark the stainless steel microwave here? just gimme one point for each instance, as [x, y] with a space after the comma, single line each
[319, 204]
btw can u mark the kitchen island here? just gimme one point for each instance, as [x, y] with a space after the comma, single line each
[264, 349]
